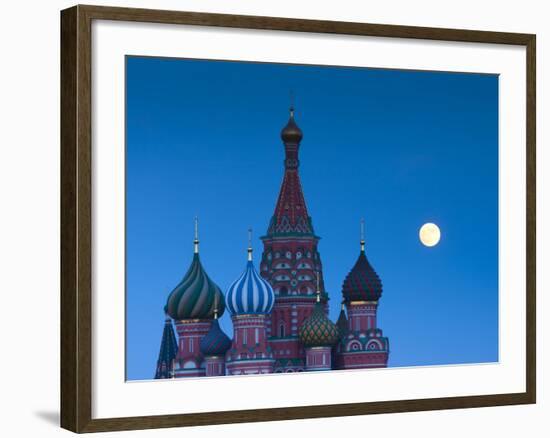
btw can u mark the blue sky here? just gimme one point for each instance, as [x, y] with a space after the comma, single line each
[399, 148]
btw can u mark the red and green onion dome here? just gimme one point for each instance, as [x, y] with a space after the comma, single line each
[215, 342]
[318, 330]
[362, 283]
[196, 295]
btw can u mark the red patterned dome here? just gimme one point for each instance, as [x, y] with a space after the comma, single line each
[362, 283]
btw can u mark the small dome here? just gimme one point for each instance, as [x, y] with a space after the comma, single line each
[195, 296]
[250, 294]
[215, 342]
[362, 283]
[291, 133]
[318, 330]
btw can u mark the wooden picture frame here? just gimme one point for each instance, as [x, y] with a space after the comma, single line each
[76, 217]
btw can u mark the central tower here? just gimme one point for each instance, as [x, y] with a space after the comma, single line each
[291, 260]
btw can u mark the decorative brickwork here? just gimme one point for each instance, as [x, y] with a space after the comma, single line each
[279, 316]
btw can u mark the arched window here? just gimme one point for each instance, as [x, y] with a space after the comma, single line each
[189, 365]
[374, 345]
[281, 330]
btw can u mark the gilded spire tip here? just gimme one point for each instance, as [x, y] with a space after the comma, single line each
[250, 244]
[196, 241]
[362, 235]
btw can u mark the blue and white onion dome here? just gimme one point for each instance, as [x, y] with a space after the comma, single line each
[250, 294]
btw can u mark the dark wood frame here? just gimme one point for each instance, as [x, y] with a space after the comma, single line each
[76, 236]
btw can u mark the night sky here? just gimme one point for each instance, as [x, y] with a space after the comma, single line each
[399, 148]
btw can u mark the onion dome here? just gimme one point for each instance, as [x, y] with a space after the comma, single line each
[291, 133]
[250, 293]
[362, 283]
[196, 294]
[215, 342]
[318, 330]
[342, 322]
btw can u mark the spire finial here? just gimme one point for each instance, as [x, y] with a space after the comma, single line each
[291, 103]
[291, 136]
[318, 288]
[362, 235]
[216, 307]
[343, 305]
[250, 244]
[196, 241]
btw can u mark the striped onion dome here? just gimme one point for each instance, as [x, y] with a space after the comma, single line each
[362, 283]
[318, 330]
[196, 295]
[215, 342]
[250, 293]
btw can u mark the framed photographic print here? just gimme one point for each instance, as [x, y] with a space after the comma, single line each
[285, 218]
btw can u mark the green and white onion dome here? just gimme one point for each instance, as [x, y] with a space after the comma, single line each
[196, 296]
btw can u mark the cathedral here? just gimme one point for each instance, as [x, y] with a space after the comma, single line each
[279, 314]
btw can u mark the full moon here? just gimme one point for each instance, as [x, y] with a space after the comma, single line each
[429, 234]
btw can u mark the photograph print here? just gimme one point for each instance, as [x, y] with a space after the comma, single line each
[287, 218]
